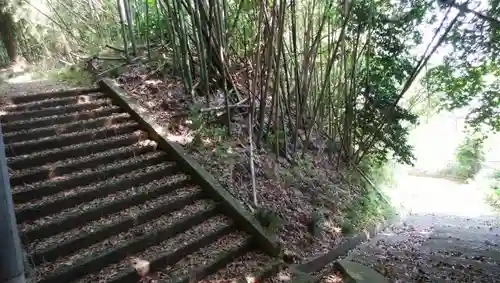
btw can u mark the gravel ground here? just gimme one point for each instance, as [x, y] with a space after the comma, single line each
[246, 266]
[169, 245]
[202, 257]
[131, 212]
[88, 205]
[120, 239]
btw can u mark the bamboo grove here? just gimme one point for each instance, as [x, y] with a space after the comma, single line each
[305, 69]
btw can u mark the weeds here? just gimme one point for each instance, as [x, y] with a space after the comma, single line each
[372, 205]
[468, 158]
[71, 75]
[493, 197]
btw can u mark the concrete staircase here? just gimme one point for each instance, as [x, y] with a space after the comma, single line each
[93, 187]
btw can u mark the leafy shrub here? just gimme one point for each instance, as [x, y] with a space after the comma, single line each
[72, 75]
[494, 194]
[468, 158]
[371, 207]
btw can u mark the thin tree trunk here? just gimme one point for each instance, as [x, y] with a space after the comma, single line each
[121, 11]
[7, 32]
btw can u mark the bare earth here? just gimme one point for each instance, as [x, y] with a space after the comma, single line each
[25, 83]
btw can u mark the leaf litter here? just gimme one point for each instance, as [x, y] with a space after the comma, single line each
[26, 226]
[203, 256]
[193, 234]
[248, 265]
[101, 168]
[74, 161]
[124, 237]
[293, 202]
[130, 212]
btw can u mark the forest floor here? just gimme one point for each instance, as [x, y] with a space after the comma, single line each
[295, 192]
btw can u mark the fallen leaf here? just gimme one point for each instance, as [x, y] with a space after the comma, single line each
[141, 266]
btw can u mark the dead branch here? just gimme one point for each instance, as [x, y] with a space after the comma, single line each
[216, 108]
[115, 48]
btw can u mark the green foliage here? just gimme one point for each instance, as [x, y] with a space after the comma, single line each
[365, 75]
[348, 83]
[71, 75]
[222, 151]
[196, 123]
[314, 225]
[494, 190]
[468, 157]
[201, 129]
[385, 68]
[59, 29]
[303, 170]
[462, 85]
[370, 207]
[470, 75]
[424, 105]
[380, 174]
[269, 219]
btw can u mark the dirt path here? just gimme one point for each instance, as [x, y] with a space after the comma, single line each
[449, 235]
[26, 83]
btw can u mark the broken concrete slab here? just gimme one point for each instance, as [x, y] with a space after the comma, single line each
[359, 273]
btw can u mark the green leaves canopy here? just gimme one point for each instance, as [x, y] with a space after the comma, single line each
[470, 75]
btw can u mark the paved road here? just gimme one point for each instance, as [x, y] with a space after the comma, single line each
[448, 235]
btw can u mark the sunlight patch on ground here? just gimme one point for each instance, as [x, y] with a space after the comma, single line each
[425, 195]
[24, 78]
[25, 82]
[435, 142]
[182, 139]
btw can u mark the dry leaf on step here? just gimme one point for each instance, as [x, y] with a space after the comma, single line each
[141, 266]
[251, 279]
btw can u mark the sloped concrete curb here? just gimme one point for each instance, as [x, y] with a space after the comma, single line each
[351, 243]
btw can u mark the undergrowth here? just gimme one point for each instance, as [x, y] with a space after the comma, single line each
[468, 158]
[372, 206]
[493, 197]
[366, 205]
[72, 75]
